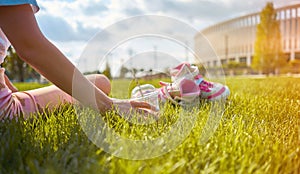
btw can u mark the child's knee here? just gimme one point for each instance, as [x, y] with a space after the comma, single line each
[101, 81]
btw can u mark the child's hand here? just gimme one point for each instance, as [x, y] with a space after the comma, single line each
[127, 108]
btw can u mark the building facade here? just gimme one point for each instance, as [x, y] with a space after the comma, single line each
[233, 40]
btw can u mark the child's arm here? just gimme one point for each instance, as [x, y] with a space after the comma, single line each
[20, 26]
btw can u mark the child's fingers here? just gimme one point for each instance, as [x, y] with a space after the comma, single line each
[145, 109]
[145, 105]
[137, 104]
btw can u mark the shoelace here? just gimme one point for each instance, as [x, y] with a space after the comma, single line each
[205, 86]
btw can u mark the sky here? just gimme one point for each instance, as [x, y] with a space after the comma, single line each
[72, 24]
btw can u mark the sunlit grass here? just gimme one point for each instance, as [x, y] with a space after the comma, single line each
[29, 86]
[258, 133]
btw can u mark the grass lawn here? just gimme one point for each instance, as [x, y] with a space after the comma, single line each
[258, 133]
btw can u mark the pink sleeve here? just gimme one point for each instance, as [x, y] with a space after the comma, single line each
[4, 44]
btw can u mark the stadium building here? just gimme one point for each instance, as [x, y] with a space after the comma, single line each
[233, 40]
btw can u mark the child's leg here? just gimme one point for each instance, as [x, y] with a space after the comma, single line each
[31, 101]
[51, 96]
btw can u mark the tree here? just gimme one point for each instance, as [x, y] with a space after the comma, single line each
[268, 57]
[17, 69]
[107, 72]
[123, 72]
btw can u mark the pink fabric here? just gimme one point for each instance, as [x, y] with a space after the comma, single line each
[4, 44]
[188, 88]
[15, 104]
